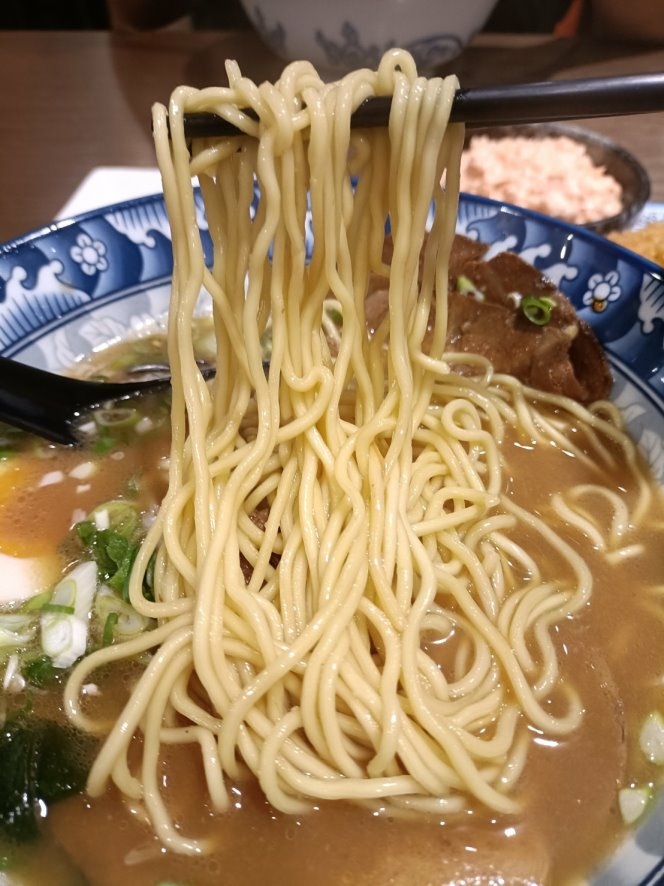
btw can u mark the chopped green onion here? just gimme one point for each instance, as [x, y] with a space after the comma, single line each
[465, 286]
[651, 738]
[104, 444]
[109, 628]
[633, 802]
[16, 629]
[119, 417]
[112, 535]
[34, 604]
[119, 515]
[58, 607]
[538, 308]
[64, 634]
[126, 621]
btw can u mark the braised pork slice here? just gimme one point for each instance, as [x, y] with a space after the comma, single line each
[486, 317]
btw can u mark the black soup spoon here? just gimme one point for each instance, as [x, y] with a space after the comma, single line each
[53, 406]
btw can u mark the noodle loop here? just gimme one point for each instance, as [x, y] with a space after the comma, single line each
[393, 639]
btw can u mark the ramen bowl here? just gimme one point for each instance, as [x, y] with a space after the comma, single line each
[342, 36]
[102, 277]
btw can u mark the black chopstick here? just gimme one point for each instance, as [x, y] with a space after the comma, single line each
[502, 105]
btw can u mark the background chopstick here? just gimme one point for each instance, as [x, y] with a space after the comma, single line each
[497, 105]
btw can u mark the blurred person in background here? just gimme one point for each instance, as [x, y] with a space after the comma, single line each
[618, 20]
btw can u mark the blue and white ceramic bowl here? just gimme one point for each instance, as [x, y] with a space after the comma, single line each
[89, 281]
[347, 34]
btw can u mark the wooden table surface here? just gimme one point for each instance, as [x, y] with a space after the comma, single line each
[72, 101]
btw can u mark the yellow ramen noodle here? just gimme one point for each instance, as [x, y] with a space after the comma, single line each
[365, 493]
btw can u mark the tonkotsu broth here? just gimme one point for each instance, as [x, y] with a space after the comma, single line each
[613, 654]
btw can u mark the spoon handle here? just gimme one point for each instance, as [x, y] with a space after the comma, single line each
[49, 405]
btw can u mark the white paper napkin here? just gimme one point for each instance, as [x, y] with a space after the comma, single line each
[105, 185]
[111, 184]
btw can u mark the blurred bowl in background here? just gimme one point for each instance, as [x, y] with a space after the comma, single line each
[342, 35]
[558, 180]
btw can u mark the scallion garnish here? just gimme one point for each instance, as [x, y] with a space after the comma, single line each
[537, 308]
[109, 628]
[36, 603]
[58, 607]
[117, 417]
[465, 286]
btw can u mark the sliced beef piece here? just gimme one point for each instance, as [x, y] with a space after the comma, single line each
[562, 357]
[506, 273]
[464, 251]
[375, 305]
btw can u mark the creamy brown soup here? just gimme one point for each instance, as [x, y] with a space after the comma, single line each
[613, 653]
